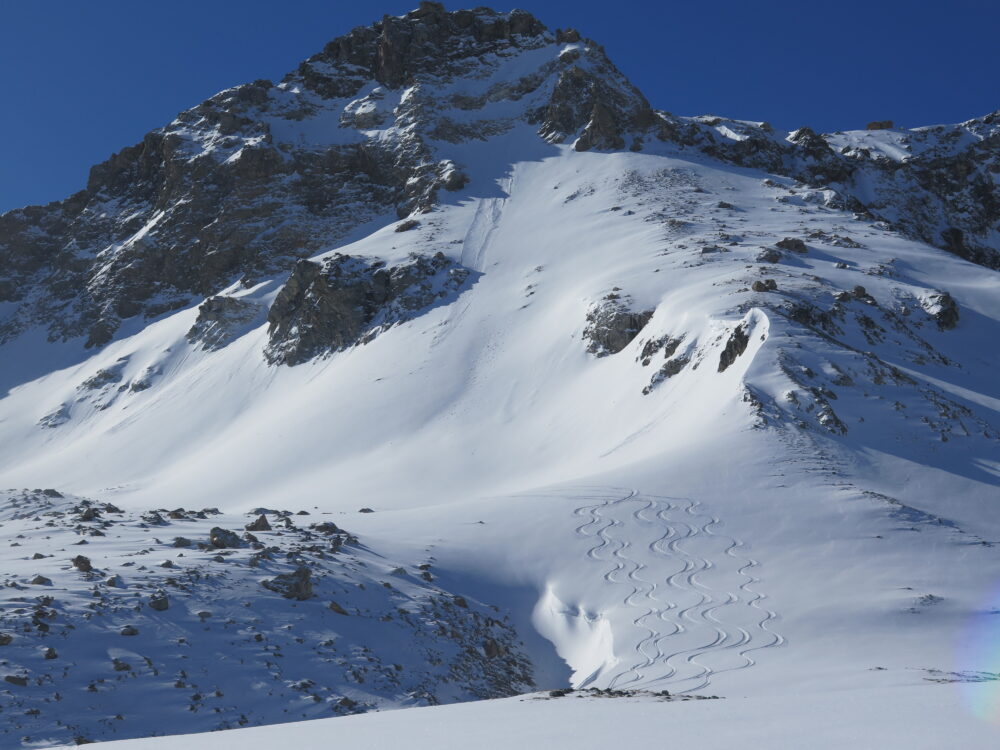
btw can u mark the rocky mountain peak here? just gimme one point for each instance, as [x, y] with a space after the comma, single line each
[425, 41]
[379, 125]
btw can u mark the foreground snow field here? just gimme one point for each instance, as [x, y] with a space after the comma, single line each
[655, 419]
[916, 718]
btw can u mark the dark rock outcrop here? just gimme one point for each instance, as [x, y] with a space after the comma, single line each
[220, 320]
[295, 585]
[343, 301]
[943, 308]
[611, 326]
[261, 524]
[223, 538]
[793, 244]
[735, 346]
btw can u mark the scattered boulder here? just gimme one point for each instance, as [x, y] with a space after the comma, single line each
[159, 602]
[50, 653]
[261, 524]
[767, 285]
[129, 630]
[337, 608]
[768, 255]
[223, 538]
[792, 244]
[16, 679]
[40, 580]
[942, 307]
[295, 585]
[492, 649]
[406, 226]
[879, 125]
[90, 514]
[327, 527]
[6, 639]
[82, 564]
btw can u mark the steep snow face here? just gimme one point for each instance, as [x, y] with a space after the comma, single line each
[765, 306]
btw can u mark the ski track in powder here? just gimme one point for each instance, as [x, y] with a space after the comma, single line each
[691, 616]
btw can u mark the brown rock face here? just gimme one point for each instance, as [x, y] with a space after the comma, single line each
[611, 326]
[879, 125]
[735, 346]
[333, 305]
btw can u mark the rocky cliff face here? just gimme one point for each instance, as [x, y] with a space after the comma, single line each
[344, 301]
[258, 177]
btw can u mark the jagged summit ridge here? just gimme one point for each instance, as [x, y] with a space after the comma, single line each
[383, 123]
[260, 175]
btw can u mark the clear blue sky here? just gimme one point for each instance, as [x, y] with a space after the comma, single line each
[80, 80]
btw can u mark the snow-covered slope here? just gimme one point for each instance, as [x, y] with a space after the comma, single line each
[689, 421]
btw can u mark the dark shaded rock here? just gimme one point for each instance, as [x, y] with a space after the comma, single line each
[406, 226]
[337, 608]
[129, 630]
[793, 244]
[333, 305]
[221, 320]
[768, 255]
[223, 538]
[180, 541]
[90, 514]
[50, 653]
[16, 679]
[665, 344]
[159, 602]
[765, 285]
[40, 581]
[6, 639]
[735, 346]
[327, 527]
[611, 326]
[879, 125]
[153, 518]
[670, 368]
[295, 585]
[261, 524]
[82, 564]
[942, 307]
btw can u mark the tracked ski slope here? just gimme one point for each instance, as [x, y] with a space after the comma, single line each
[695, 613]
